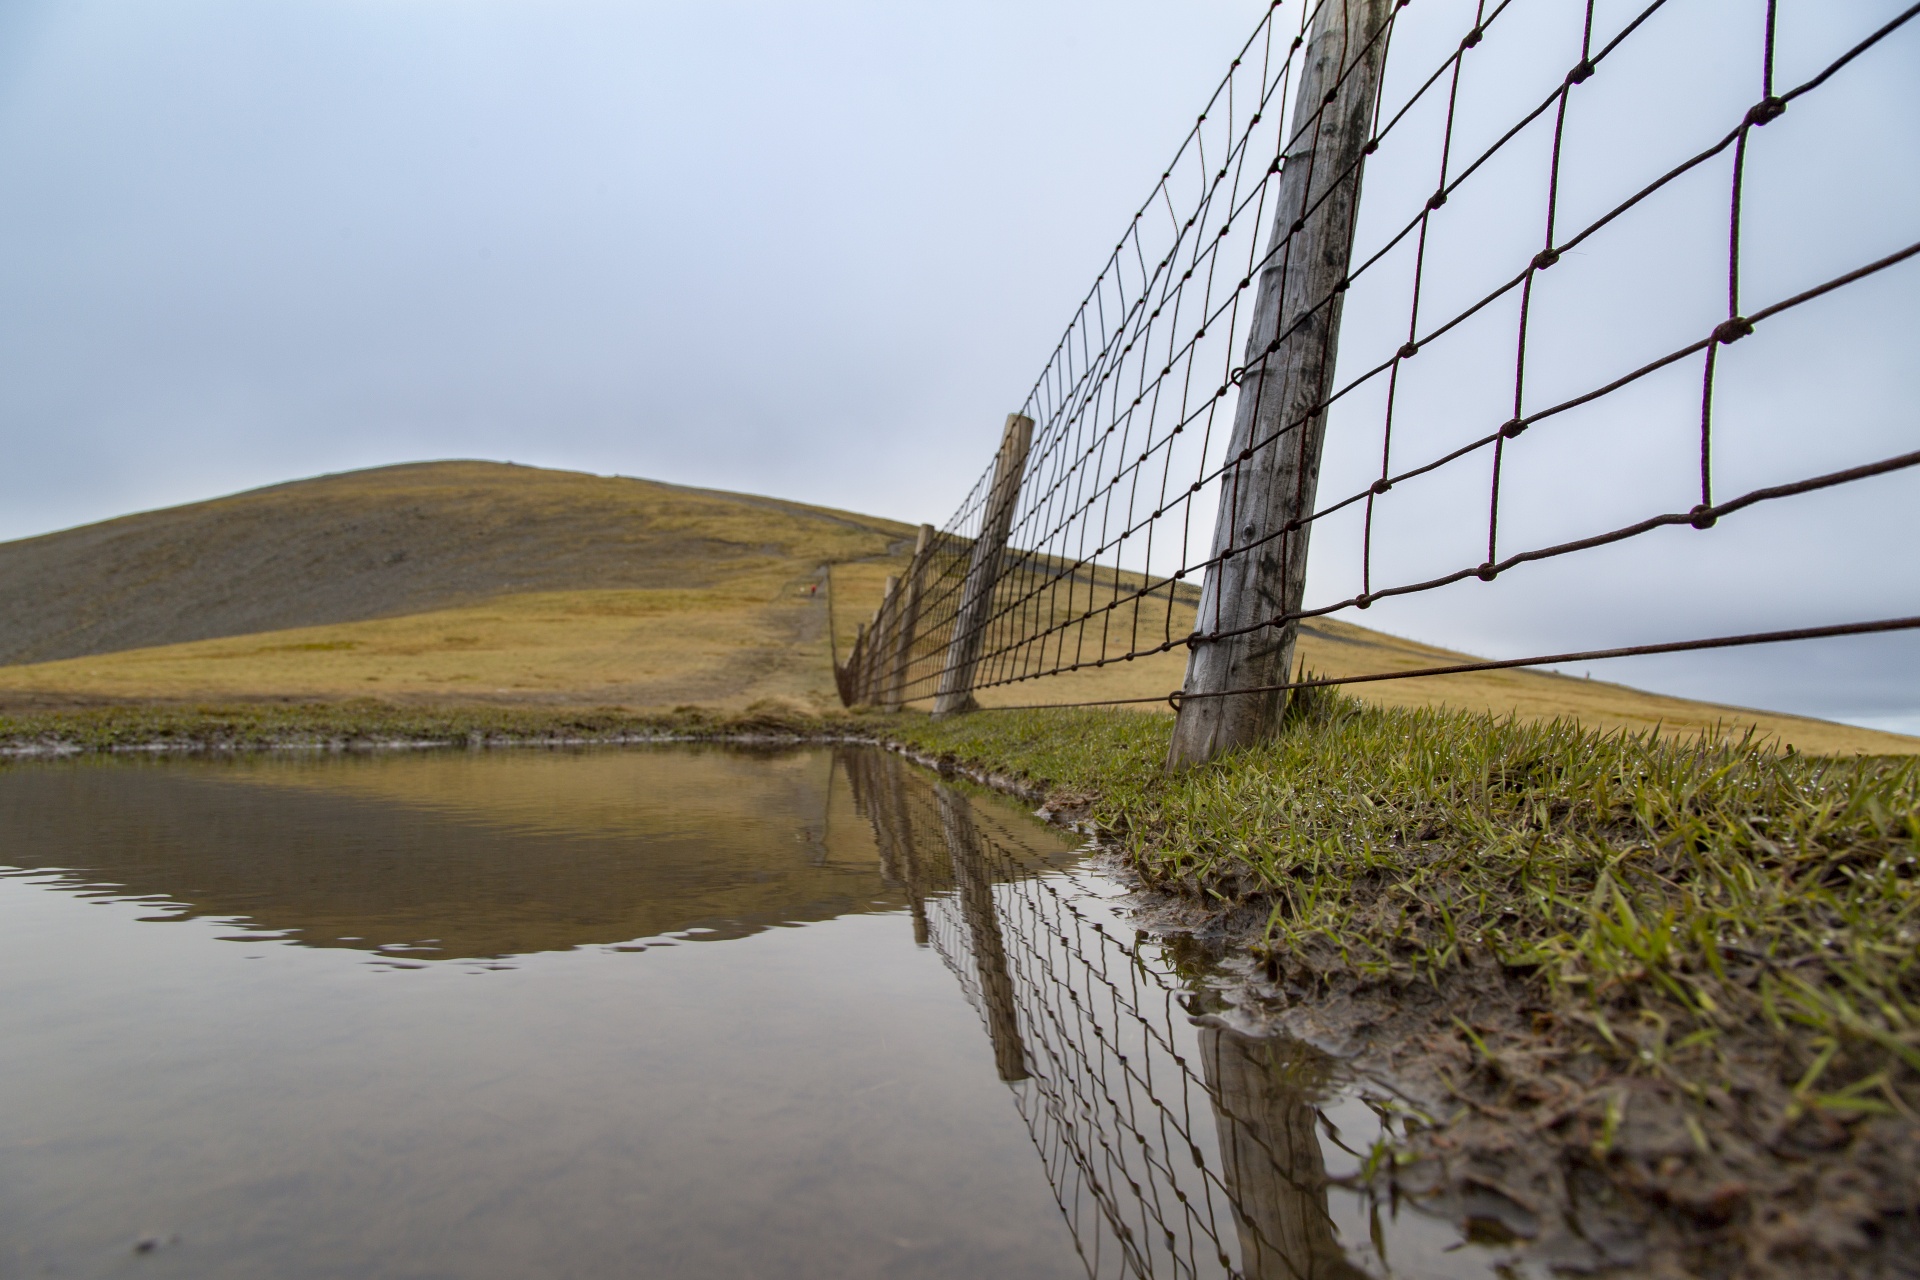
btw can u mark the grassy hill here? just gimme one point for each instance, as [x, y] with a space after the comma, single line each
[477, 582]
[474, 580]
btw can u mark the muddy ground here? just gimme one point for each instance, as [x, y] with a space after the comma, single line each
[1535, 1125]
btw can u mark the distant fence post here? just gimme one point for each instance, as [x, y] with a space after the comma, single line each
[856, 663]
[874, 675]
[1263, 499]
[907, 622]
[983, 570]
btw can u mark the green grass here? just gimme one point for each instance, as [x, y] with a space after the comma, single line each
[1665, 895]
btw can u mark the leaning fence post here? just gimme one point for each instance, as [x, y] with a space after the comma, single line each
[1258, 568]
[907, 623]
[983, 569]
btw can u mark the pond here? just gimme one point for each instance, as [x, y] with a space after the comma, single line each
[675, 1011]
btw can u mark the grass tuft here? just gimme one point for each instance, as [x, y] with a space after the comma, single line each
[1662, 892]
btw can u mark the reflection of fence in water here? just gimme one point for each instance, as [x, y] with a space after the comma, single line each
[1173, 1150]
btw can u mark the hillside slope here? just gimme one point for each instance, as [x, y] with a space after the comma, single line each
[471, 582]
[394, 541]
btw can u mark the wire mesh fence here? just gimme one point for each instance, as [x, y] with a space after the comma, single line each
[1174, 1146]
[1413, 372]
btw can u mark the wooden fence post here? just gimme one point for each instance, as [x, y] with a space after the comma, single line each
[983, 570]
[906, 623]
[1263, 500]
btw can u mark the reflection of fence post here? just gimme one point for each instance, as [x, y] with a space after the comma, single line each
[983, 925]
[906, 623]
[894, 789]
[983, 570]
[1271, 1161]
[1259, 564]
[863, 776]
[877, 788]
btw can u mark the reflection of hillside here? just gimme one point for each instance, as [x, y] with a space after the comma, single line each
[632, 792]
[462, 855]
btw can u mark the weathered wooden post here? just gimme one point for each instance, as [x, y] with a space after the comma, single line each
[1259, 567]
[906, 622]
[983, 570]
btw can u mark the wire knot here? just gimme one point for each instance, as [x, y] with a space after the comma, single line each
[1363, 601]
[1702, 517]
[1472, 38]
[1544, 259]
[1581, 73]
[1767, 109]
[1514, 427]
[1487, 572]
[1437, 199]
[1381, 485]
[1728, 332]
[1408, 350]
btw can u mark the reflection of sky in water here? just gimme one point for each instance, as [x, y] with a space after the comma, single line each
[530, 1098]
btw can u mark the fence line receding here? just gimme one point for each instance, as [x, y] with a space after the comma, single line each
[1163, 490]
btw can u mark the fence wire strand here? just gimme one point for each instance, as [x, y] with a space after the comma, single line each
[1113, 530]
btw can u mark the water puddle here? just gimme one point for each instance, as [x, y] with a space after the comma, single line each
[461, 1014]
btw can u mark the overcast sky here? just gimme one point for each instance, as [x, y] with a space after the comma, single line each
[815, 250]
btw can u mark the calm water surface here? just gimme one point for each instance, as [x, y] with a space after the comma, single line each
[670, 1012]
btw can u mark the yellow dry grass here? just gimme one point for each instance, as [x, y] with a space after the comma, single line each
[1340, 649]
[720, 648]
[1333, 648]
